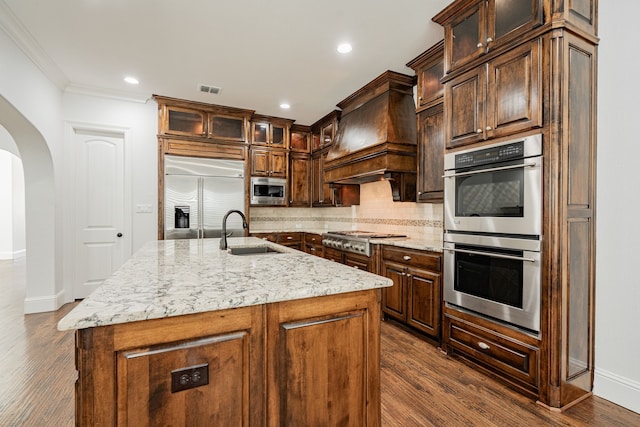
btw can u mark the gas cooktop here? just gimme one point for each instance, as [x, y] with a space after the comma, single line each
[356, 241]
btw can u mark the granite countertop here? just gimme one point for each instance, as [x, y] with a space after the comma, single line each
[178, 277]
[409, 243]
[433, 245]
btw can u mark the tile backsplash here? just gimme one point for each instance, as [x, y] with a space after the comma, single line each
[377, 212]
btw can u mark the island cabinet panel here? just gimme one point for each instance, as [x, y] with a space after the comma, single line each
[323, 361]
[151, 382]
[138, 374]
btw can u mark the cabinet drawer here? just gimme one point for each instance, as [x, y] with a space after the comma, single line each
[285, 238]
[412, 258]
[518, 360]
[312, 238]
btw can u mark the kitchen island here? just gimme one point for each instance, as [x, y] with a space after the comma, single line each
[188, 334]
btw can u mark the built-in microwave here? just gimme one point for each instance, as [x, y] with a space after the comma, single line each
[495, 188]
[268, 191]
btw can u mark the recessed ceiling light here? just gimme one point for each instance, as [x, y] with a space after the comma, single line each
[285, 106]
[344, 48]
[131, 80]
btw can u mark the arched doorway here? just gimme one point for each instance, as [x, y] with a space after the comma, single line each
[41, 292]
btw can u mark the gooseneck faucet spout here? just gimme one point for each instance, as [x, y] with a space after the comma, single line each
[223, 238]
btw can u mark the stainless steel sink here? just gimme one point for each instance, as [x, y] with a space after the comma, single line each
[252, 250]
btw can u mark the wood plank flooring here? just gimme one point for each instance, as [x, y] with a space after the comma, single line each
[420, 385]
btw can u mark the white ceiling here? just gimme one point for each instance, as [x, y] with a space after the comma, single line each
[260, 52]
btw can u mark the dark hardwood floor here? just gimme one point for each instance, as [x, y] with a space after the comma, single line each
[420, 385]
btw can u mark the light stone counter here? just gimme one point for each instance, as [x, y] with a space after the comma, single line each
[178, 277]
[423, 245]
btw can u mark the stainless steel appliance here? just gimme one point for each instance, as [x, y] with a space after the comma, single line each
[198, 193]
[268, 191]
[355, 241]
[495, 188]
[496, 276]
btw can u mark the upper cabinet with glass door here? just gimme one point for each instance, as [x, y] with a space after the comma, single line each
[202, 121]
[270, 131]
[474, 27]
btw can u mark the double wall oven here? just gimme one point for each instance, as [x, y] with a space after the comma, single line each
[493, 228]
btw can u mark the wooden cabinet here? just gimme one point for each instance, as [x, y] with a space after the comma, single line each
[495, 348]
[474, 27]
[499, 98]
[313, 244]
[299, 179]
[197, 369]
[300, 140]
[430, 184]
[324, 130]
[326, 194]
[415, 298]
[323, 361]
[538, 74]
[429, 67]
[200, 121]
[286, 238]
[361, 262]
[312, 361]
[270, 131]
[320, 190]
[268, 162]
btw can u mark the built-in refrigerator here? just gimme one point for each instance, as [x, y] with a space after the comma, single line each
[198, 193]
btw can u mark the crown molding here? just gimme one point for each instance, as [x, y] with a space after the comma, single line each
[23, 39]
[118, 95]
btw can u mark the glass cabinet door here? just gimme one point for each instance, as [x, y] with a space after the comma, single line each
[183, 121]
[327, 135]
[277, 136]
[260, 133]
[512, 17]
[467, 36]
[229, 128]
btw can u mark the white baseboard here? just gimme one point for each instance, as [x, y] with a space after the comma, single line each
[43, 304]
[617, 389]
[4, 255]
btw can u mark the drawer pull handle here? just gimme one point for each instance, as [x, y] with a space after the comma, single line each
[406, 258]
[483, 346]
[289, 238]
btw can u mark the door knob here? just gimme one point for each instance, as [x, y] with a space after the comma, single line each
[119, 234]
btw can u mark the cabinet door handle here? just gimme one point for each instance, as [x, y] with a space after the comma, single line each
[480, 44]
[356, 267]
[406, 258]
[489, 39]
[478, 130]
[488, 128]
[483, 346]
[408, 275]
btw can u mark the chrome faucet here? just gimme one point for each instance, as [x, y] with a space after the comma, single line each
[223, 237]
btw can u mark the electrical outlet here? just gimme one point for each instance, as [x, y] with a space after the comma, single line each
[191, 377]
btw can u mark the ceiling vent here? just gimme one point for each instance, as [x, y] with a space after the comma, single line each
[209, 89]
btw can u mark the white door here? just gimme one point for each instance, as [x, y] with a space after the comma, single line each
[99, 208]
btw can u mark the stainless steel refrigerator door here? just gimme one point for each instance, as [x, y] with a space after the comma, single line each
[210, 188]
[181, 190]
[220, 195]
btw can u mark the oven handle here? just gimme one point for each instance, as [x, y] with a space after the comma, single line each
[494, 255]
[502, 168]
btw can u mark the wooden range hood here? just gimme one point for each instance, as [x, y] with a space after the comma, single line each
[376, 137]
